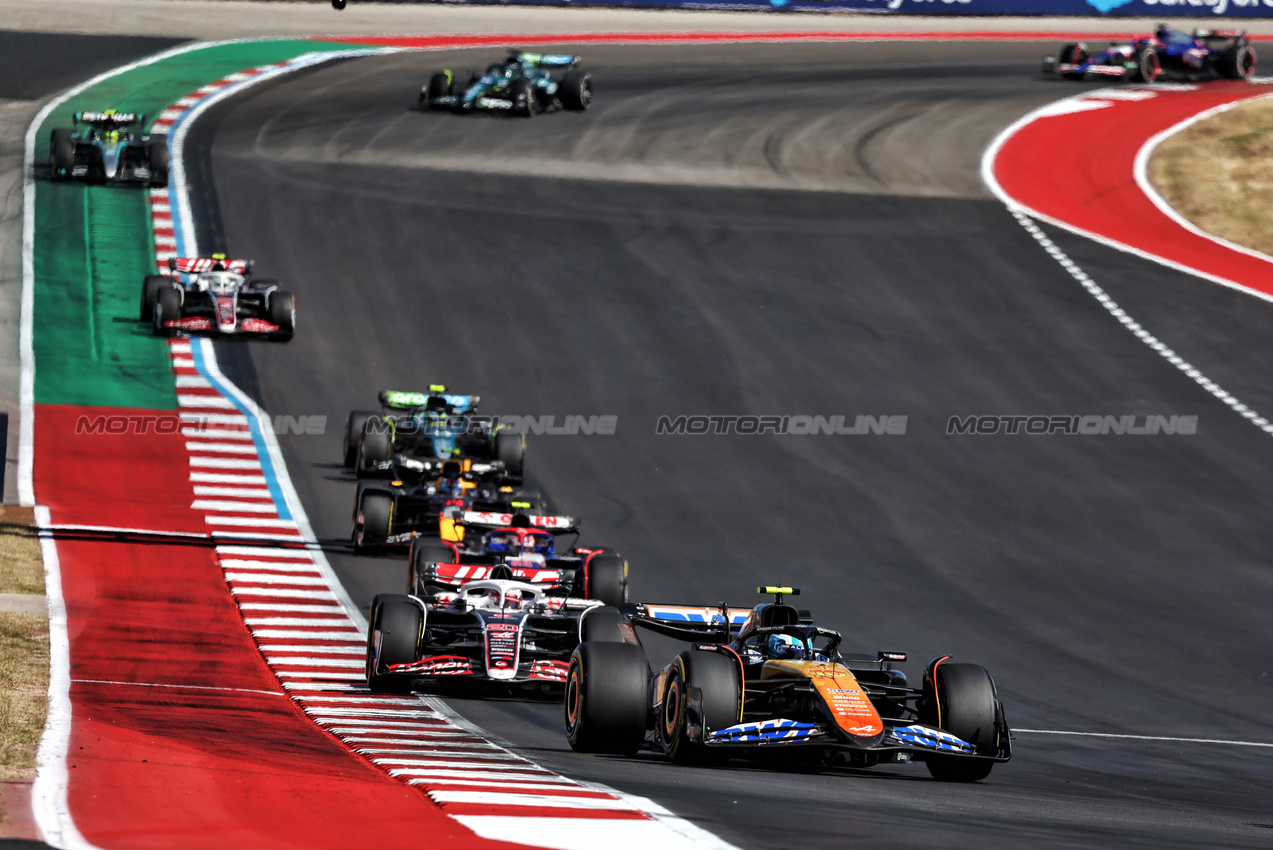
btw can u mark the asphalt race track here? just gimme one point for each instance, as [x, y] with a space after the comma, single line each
[787, 230]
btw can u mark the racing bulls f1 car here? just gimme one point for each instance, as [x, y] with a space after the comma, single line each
[109, 146]
[519, 547]
[1168, 52]
[776, 684]
[521, 84]
[493, 632]
[217, 295]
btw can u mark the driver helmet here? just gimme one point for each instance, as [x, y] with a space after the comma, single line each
[483, 597]
[514, 598]
[784, 646]
[538, 544]
[430, 421]
[500, 542]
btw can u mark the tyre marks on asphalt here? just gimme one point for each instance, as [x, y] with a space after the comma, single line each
[315, 648]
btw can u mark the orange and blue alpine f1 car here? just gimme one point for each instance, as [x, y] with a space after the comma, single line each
[770, 682]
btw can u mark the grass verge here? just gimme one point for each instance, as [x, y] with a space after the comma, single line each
[21, 567]
[1228, 192]
[24, 649]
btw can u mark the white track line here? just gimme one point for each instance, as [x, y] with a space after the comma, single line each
[1025, 216]
[49, 801]
[988, 177]
[1144, 737]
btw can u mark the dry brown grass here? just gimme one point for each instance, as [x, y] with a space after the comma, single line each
[24, 684]
[21, 567]
[24, 648]
[1218, 174]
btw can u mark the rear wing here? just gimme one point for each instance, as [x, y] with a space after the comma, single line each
[548, 60]
[494, 519]
[407, 400]
[1212, 33]
[199, 265]
[690, 622]
[694, 614]
[110, 118]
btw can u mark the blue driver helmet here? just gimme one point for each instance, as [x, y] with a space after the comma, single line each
[540, 544]
[500, 542]
[784, 646]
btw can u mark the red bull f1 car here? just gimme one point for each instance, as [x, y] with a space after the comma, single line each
[519, 547]
[216, 295]
[490, 633]
[771, 683]
[426, 502]
[108, 146]
[1167, 53]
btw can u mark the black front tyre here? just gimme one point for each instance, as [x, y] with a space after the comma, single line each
[1148, 68]
[439, 86]
[424, 552]
[719, 678]
[167, 308]
[960, 698]
[393, 637]
[281, 310]
[1237, 62]
[523, 92]
[511, 450]
[376, 445]
[354, 425]
[157, 161]
[606, 579]
[604, 624]
[149, 292]
[605, 698]
[1072, 54]
[376, 512]
[61, 153]
[575, 90]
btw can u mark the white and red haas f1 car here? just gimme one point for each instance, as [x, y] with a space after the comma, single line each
[219, 296]
[519, 547]
[493, 633]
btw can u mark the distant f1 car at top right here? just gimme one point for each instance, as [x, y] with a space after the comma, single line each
[1168, 53]
[520, 85]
